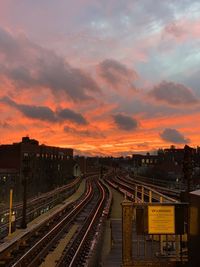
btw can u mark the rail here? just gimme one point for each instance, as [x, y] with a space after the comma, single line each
[7, 249]
[37, 206]
[92, 223]
[37, 251]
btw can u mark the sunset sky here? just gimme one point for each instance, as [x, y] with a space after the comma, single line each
[104, 77]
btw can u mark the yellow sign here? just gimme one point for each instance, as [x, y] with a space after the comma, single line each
[161, 219]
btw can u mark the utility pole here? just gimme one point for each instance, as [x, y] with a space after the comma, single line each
[187, 170]
[10, 212]
[25, 171]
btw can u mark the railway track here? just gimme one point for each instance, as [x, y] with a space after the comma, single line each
[128, 187]
[33, 201]
[88, 212]
[162, 247]
[37, 205]
[76, 254]
[158, 185]
[166, 191]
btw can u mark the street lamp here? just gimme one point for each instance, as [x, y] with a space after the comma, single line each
[25, 171]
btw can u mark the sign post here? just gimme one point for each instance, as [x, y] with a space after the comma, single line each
[161, 236]
[127, 227]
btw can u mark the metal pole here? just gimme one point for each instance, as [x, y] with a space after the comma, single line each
[187, 169]
[150, 196]
[127, 223]
[23, 223]
[136, 194]
[26, 171]
[161, 236]
[142, 194]
[150, 201]
[10, 212]
[177, 242]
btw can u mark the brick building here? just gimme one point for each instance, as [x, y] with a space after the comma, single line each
[145, 160]
[49, 167]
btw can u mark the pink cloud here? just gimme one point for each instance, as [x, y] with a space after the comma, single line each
[183, 30]
[29, 66]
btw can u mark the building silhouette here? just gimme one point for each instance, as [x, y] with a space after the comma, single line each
[49, 167]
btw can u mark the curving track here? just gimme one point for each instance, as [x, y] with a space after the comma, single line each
[77, 251]
[164, 190]
[89, 211]
[128, 187]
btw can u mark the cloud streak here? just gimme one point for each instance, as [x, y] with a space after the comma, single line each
[67, 114]
[83, 133]
[45, 113]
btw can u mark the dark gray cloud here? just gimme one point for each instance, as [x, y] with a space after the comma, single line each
[125, 122]
[173, 93]
[174, 136]
[45, 113]
[30, 111]
[37, 112]
[114, 72]
[28, 65]
[71, 115]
